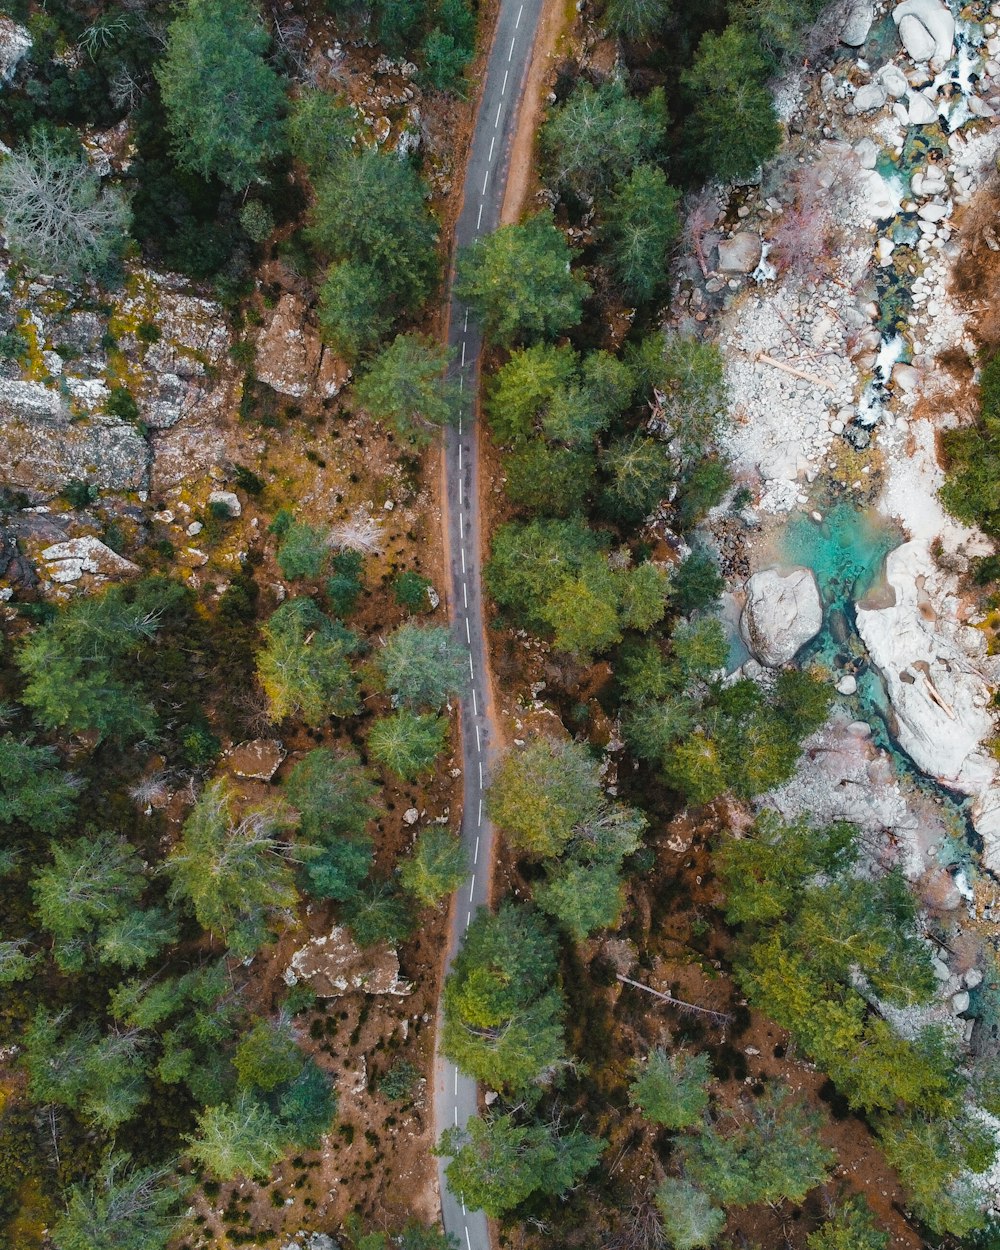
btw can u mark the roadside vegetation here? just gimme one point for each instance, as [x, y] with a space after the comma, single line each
[161, 1073]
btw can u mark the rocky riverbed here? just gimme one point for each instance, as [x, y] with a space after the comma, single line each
[829, 285]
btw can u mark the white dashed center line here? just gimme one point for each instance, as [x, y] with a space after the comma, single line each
[472, 887]
[468, 636]
[479, 219]
[499, 109]
[511, 52]
[504, 87]
[492, 141]
[475, 857]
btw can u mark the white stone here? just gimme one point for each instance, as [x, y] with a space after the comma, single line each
[933, 671]
[920, 111]
[938, 25]
[857, 24]
[740, 254]
[69, 560]
[884, 249]
[14, 44]
[226, 499]
[916, 39]
[973, 978]
[869, 98]
[933, 212]
[960, 1002]
[866, 151]
[894, 80]
[411, 816]
[194, 529]
[783, 612]
[847, 685]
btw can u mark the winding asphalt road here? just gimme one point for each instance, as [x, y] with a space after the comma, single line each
[455, 1096]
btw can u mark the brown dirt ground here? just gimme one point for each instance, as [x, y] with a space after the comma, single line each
[522, 180]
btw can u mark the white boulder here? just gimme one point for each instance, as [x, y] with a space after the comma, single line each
[920, 111]
[69, 560]
[894, 80]
[740, 254]
[783, 612]
[866, 151]
[226, 499]
[869, 98]
[927, 30]
[939, 680]
[857, 23]
[14, 44]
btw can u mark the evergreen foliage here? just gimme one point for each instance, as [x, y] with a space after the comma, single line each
[223, 100]
[497, 1163]
[305, 664]
[519, 282]
[502, 1008]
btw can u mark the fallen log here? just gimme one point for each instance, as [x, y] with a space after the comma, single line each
[721, 1016]
[764, 359]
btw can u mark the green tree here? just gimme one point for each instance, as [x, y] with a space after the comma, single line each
[641, 472]
[551, 480]
[344, 585]
[410, 589]
[496, 1163]
[267, 1056]
[637, 21]
[304, 551]
[934, 1157]
[406, 386]
[696, 582]
[584, 409]
[379, 913]
[76, 667]
[333, 795]
[100, 1078]
[556, 578]
[371, 218]
[582, 897]
[671, 1089]
[354, 311]
[332, 792]
[445, 61]
[408, 743]
[92, 886]
[422, 665]
[542, 793]
[518, 280]
[731, 127]
[123, 1208]
[851, 1227]
[524, 387]
[640, 227]
[305, 666]
[56, 216]
[234, 868]
[437, 866]
[34, 791]
[502, 1012]
[223, 101]
[690, 1219]
[15, 965]
[772, 1151]
[599, 135]
[321, 130]
[242, 1138]
[307, 1105]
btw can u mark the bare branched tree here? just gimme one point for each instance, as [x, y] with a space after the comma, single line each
[56, 215]
[361, 533]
